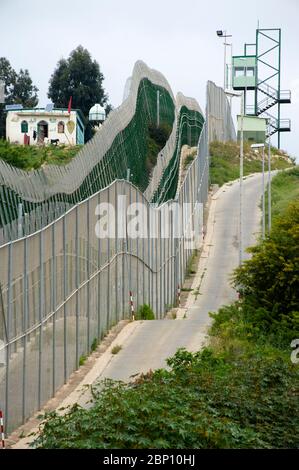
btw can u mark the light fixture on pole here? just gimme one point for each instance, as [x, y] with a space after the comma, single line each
[258, 146]
[243, 113]
[222, 34]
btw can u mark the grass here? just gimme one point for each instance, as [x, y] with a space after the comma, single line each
[225, 161]
[29, 157]
[82, 359]
[145, 313]
[191, 268]
[116, 349]
[284, 188]
[94, 344]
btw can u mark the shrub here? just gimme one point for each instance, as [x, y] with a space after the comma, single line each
[145, 313]
[269, 281]
[116, 349]
[205, 400]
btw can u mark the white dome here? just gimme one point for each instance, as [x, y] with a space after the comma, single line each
[97, 113]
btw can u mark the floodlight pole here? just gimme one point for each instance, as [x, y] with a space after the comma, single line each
[224, 78]
[241, 178]
[243, 112]
[222, 34]
[263, 195]
[269, 179]
[257, 146]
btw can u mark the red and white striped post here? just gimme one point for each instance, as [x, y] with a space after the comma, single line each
[132, 306]
[179, 295]
[2, 430]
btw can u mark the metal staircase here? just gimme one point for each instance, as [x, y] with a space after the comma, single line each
[276, 125]
[272, 97]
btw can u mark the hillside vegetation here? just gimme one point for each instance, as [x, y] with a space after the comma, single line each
[284, 188]
[225, 161]
[29, 157]
[240, 392]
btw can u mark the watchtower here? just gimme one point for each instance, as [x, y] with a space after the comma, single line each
[257, 72]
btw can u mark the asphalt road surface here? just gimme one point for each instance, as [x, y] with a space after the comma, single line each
[152, 342]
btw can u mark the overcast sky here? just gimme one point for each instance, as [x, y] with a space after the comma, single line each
[176, 37]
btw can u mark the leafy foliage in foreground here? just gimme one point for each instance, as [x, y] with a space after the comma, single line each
[205, 400]
[269, 281]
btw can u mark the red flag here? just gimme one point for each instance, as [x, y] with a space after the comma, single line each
[70, 105]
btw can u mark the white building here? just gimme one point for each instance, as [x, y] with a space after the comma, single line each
[39, 126]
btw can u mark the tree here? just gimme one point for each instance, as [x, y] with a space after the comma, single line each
[18, 89]
[80, 77]
[24, 92]
[8, 75]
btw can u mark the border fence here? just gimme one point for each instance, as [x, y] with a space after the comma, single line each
[31, 200]
[63, 287]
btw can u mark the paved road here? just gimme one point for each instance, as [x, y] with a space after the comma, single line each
[150, 343]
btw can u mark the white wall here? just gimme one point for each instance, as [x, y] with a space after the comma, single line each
[14, 119]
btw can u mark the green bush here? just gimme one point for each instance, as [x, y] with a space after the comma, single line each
[28, 157]
[205, 400]
[157, 138]
[145, 313]
[269, 281]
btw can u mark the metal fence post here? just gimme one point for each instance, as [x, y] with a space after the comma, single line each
[99, 278]
[41, 314]
[88, 275]
[137, 253]
[108, 267]
[116, 251]
[54, 301]
[9, 302]
[77, 282]
[25, 325]
[64, 300]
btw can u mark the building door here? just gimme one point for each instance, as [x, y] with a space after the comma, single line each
[42, 131]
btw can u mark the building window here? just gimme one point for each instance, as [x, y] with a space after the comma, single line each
[60, 127]
[239, 72]
[250, 72]
[24, 127]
